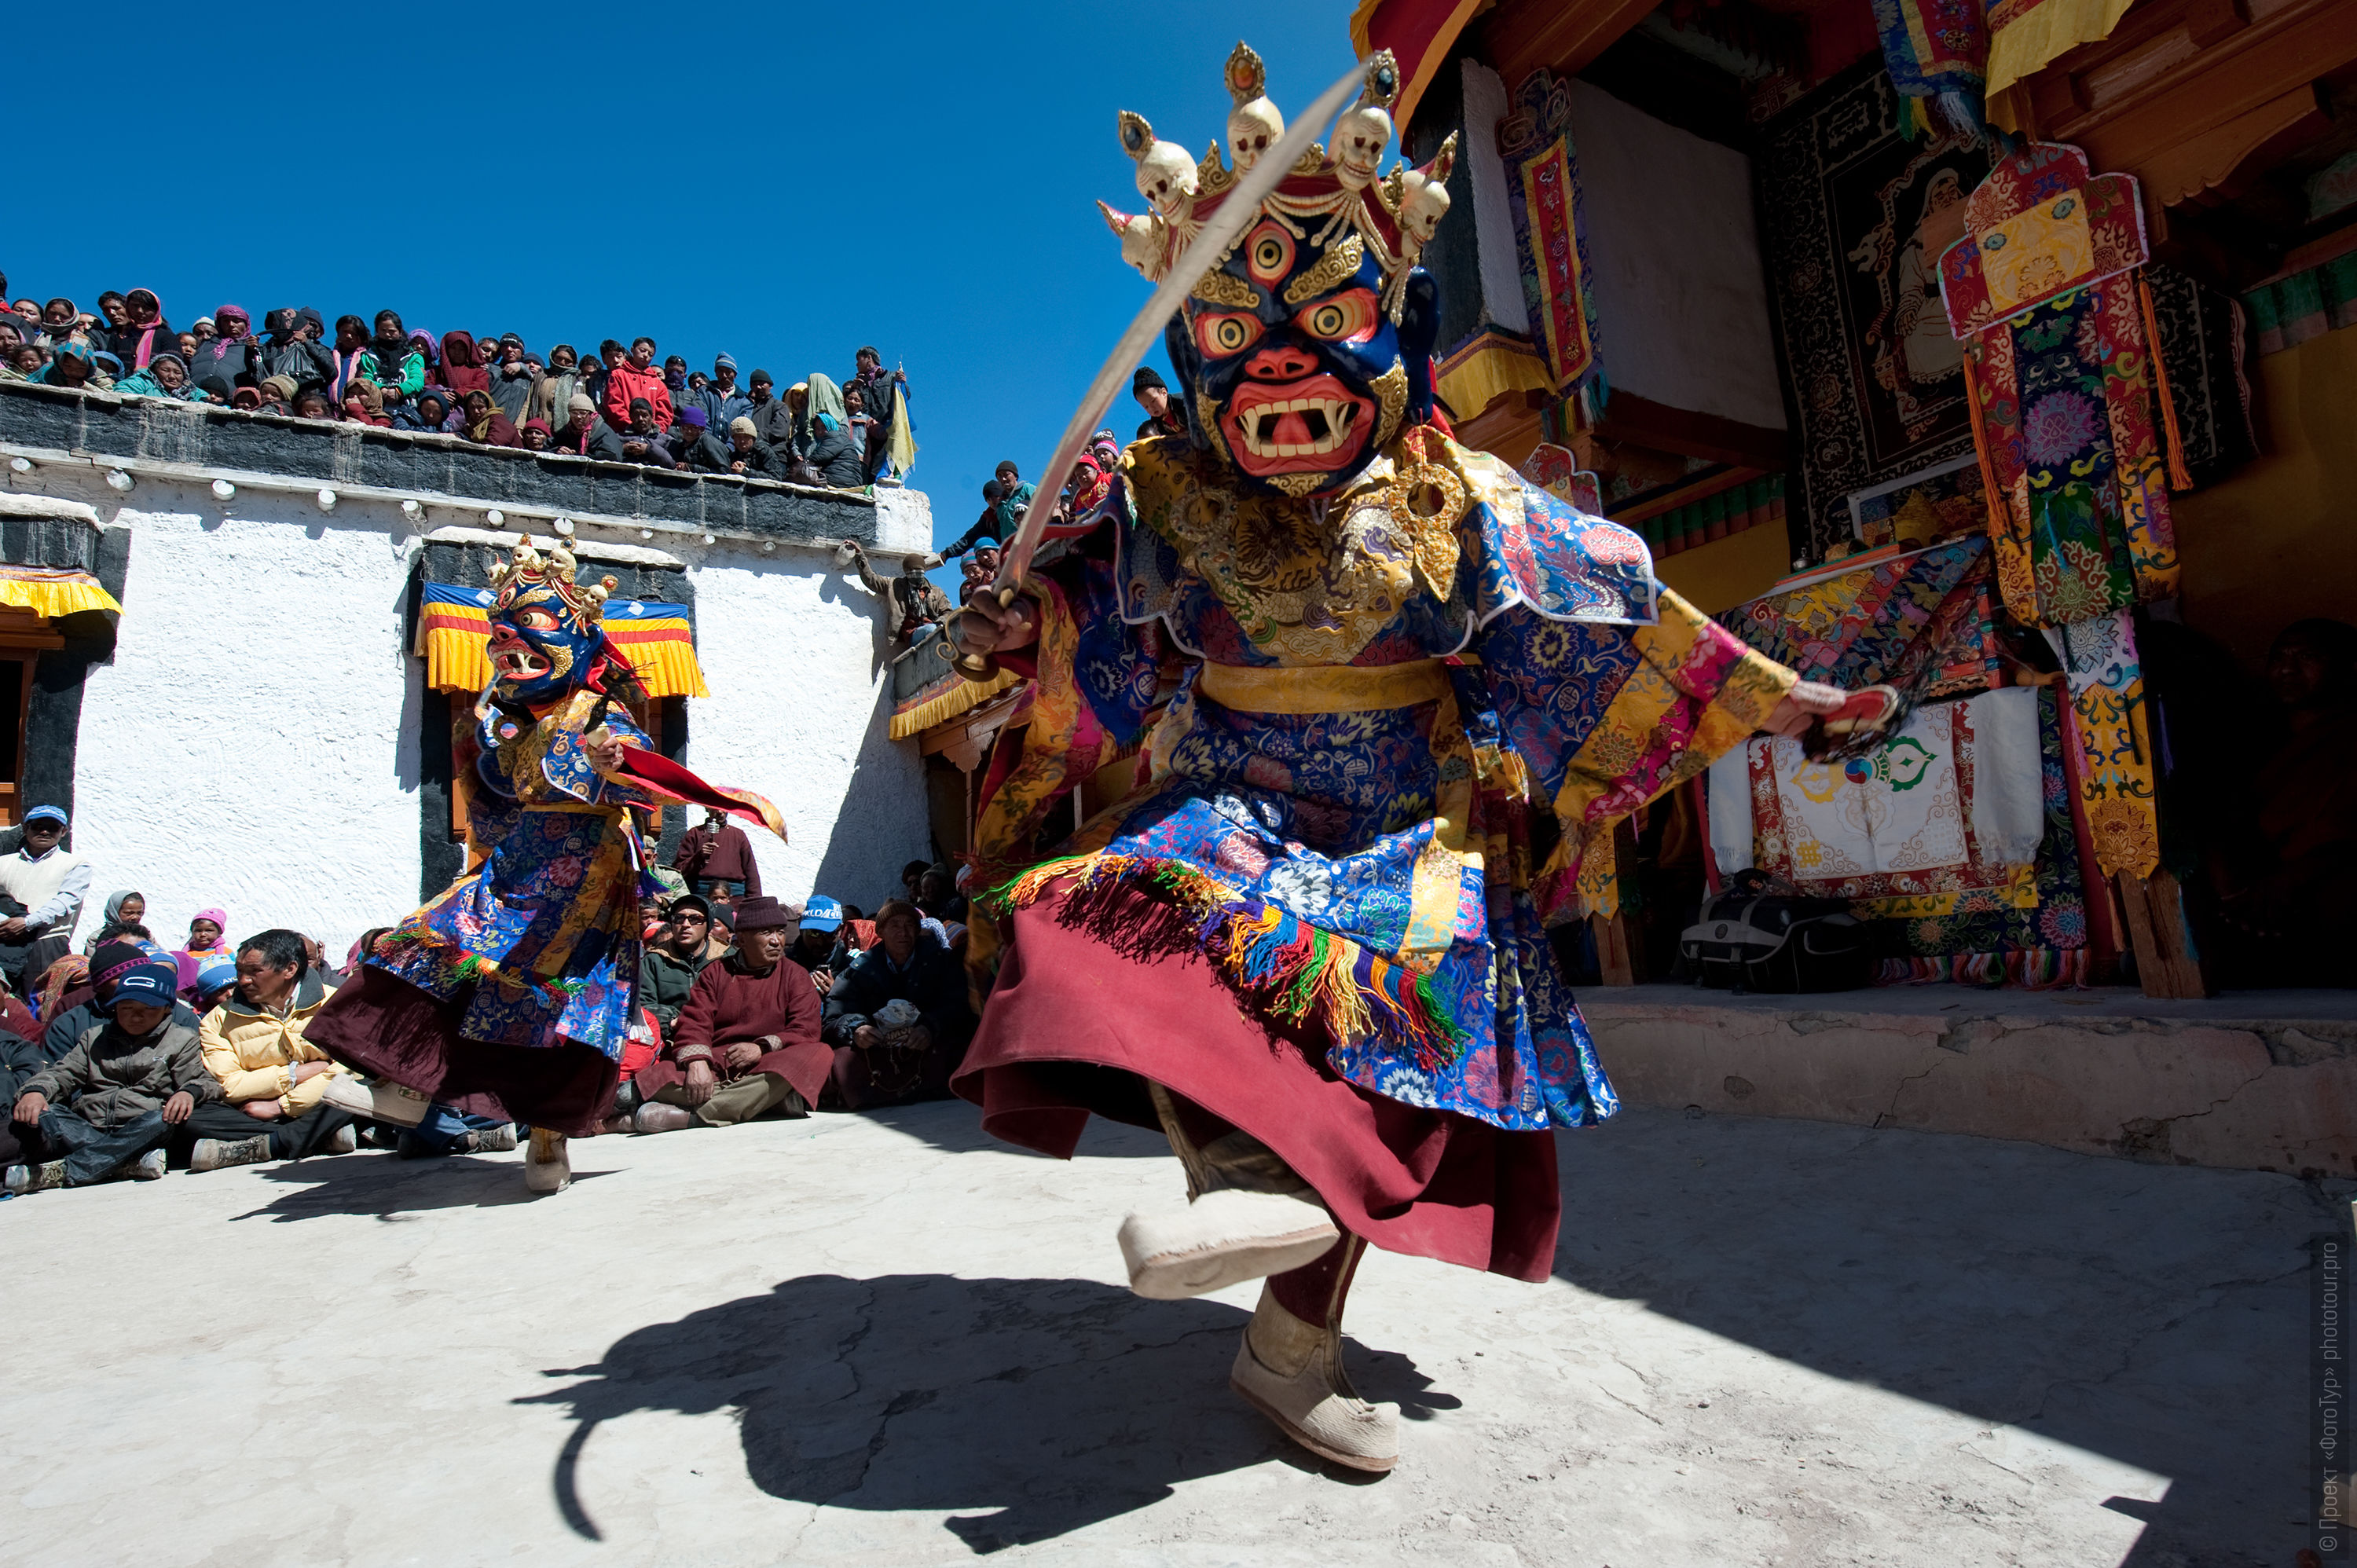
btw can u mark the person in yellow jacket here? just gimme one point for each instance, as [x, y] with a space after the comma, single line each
[275, 1085]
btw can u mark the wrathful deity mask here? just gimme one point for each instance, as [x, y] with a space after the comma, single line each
[546, 629]
[1310, 347]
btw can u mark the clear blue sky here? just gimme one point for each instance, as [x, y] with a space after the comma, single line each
[784, 183]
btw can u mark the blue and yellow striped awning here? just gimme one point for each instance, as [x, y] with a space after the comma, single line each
[658, 638]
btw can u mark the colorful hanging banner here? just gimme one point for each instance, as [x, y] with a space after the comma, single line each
[1543, 192]
[1936, 50]
[658, 638]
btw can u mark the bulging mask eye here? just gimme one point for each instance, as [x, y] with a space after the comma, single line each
[1345, 319]
[1224, 336]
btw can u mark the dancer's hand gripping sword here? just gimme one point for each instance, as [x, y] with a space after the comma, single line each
[1210, 248]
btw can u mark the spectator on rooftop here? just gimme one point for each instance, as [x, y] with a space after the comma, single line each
[72, 366]
[24, 363]
[460, 373]
[1005, 499]
[693, 445]
[364, 404]
[117, 1095]
[166, 375]
[671, 963]
[773, 419]
[674, 375]
[143, 333]
[427, 411]
[483, 424]
[881, 1058]
[395, 364]
[512, 382]
[114, 311]
[1163, 417]
[632, 379]
[204, 329]
[351, 342]
[276, 394]
[536, 436]
[724, 399]
[879, 388]
[42, 887]
[30, 311]
[312, 403]
[716, 857]
[552, 390]
[189, 342]
[747, 1042]
[585, 434]
[834, 454]
[747, 455]
[230, 354]
[61, 322]
[290, 351]
[276, 1088]
[642, 440]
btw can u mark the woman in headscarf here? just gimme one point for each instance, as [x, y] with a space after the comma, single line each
[144, 333]
[459, 371]
[483, 424]
[166, 375]
[363, 403]
[62, 323]
[205, 940]
[824, 401]
[230, 354]
[551, 393]
[71, 366]
[391, 361]
[105, 370]
[125, 912]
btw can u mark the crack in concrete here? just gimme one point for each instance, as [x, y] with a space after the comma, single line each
[1890, 1115]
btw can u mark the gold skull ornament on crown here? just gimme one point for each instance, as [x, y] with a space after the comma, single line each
[527, 568]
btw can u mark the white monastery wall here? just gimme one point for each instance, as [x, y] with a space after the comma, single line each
[254, 742]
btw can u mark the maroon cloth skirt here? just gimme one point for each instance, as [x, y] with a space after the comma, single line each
[805, 1064]
[1074, 1029]
[388, 1028]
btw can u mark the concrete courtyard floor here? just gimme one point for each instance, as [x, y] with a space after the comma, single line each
[890, 1341]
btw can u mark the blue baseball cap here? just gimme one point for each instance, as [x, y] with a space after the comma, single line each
[46, 814]
[156, 985]
[820, 913]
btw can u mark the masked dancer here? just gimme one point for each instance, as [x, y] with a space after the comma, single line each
[1412, 695]
[511, 993]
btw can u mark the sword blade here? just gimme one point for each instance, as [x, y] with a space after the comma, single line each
[1209, 248]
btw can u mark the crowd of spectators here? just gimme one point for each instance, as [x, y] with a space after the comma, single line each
[121, 1057]
[493, 389]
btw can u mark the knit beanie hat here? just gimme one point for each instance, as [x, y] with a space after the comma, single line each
[740, 425]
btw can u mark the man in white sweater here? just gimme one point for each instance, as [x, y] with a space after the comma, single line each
[47, 885]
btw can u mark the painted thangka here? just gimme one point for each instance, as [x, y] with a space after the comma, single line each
[2069, 411]
[1550, 238]
[1954, 841]
[1856, 213]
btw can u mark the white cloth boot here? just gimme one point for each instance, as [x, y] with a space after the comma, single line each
[1291, 1371]
[547, 1167]
[1246, 1216]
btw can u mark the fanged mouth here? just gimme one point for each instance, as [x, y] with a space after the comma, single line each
[1303, 427]
[515, 664]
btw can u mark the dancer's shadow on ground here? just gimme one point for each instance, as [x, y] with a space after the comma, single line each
[393, 1188]
[1056, 1403]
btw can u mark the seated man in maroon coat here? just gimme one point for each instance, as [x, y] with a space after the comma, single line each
[747, 1041]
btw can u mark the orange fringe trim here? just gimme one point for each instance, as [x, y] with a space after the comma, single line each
[2179, 476]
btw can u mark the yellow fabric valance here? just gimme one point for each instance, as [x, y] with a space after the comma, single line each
[53, 591]
[453, 626]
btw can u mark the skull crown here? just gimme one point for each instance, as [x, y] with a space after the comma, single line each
[1395, 215]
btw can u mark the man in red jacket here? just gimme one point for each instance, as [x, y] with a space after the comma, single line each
[717, 856]
[636, 377]
[747, 1041]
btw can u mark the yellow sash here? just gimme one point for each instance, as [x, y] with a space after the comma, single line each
[1322, 688]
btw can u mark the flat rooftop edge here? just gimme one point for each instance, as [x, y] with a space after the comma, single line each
[102, 425]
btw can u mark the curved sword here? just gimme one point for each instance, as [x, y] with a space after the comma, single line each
[1210, 248]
